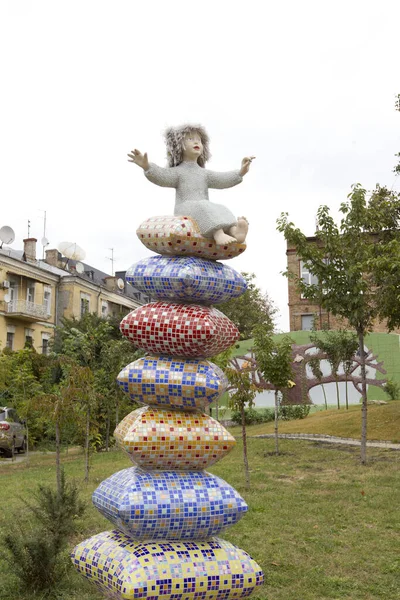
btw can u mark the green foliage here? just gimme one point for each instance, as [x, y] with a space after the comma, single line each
[253, 416]
[293, 412]
[274, 357]
[340, 347]
[78, 376]
[35, 555]
[251, 308]
[356, 264]
[346, 259]
[392, 389]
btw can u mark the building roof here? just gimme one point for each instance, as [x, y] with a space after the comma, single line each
[90, 273]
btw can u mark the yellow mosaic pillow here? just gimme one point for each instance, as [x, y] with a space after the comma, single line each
[126, 570]
[158, 438]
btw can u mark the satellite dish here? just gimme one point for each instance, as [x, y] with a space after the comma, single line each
[79, 267]
[121, 284]
[7, 235]
[45, 241]
[72, 250]
[7, 298]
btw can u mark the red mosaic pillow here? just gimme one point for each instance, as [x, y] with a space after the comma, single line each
[179, 236]
[187, 330]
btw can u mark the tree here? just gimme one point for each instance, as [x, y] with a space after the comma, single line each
[397, 107]
[302, 358]
[250, 309]
[339, 347]
[351, 266]
[315, 366]
[274, 360]
[242, 394]
[96, 344]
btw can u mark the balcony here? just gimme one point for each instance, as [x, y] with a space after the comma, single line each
[27, 311]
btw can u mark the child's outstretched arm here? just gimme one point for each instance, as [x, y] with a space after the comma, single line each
[163, 177]
[228, 178]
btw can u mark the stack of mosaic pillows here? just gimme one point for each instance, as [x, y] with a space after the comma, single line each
[167, 510]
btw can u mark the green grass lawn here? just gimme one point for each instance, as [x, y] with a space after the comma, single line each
[383, 423]
[321, 526]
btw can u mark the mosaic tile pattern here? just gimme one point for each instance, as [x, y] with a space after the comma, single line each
[157, 438]
[124, 569]
[186, 278]
[173, 382]
[173, 505]
[188, 330]
[181, 236]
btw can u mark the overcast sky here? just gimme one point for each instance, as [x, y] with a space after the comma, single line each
[308, 87]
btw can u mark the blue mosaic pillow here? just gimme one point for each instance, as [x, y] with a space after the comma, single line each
[123, 569]
[186, 278]
[171, 505]
[173, 382]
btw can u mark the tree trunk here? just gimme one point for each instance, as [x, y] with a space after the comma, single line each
[216, 410]
[116, 413]
[276, 423]
[87, 446]
[27, 441]
[326, 401]
[337, 394]
[364, 409]
[108, 426]
[58, 457]
[244, 438]
[347, 395]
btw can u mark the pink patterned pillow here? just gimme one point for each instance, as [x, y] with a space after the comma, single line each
[179, 236]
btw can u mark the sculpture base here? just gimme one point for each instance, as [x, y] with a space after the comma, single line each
[124, 569]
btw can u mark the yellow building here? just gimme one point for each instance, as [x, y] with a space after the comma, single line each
[36, 294]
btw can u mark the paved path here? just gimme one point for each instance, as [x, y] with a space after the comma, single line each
[329, 439]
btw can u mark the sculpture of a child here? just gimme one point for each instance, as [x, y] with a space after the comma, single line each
[188, 152]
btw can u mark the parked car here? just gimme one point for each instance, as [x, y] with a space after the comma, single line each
[12, 432]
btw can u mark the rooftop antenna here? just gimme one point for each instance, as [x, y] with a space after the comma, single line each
[29, 228]
[112, 260]
[7, 235]
[45, 241]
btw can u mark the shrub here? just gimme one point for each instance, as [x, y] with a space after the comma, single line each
[292, 412]
[35, 555]
[392, 389]
[253, 416]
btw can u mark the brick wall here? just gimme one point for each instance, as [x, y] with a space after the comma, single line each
[301, 310]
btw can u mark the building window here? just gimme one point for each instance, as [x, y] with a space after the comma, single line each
[85, 303]
[10, 340]
[306, 276]
[28, 338]
[104, 308]
[30, 291]
[47, 299]
[45, 343]
[307, 322]
[13, 291]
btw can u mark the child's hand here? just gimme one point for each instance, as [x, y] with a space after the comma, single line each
[246, 162]
[139, 159]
